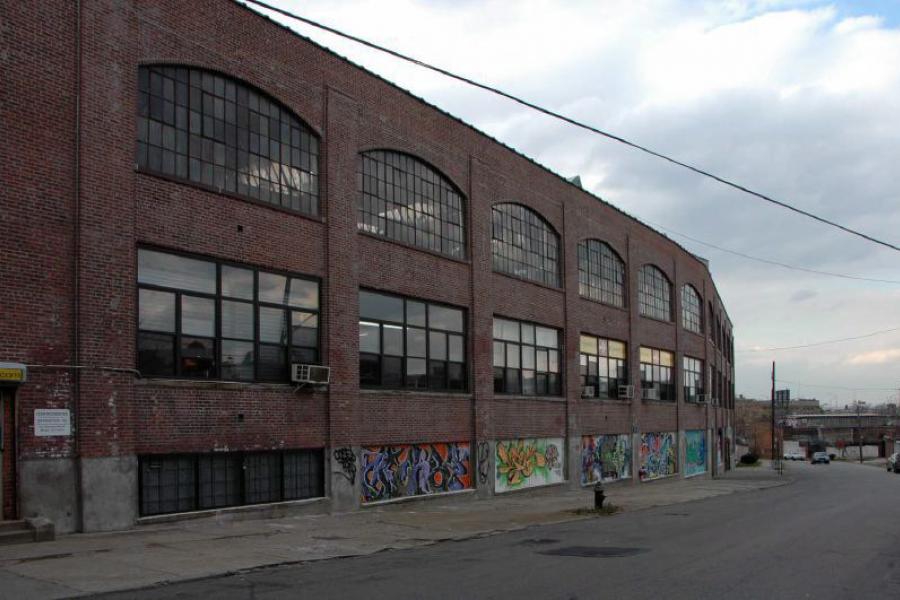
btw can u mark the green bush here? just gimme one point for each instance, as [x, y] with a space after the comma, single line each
[749, 459]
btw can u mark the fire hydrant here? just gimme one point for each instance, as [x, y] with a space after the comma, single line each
[599, 496]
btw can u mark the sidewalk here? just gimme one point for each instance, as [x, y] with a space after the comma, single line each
[82, 564]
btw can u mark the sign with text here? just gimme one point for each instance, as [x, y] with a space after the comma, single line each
[52, 422]
[13, 373]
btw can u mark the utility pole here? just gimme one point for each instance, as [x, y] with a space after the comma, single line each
[773, 413]
[859, 429]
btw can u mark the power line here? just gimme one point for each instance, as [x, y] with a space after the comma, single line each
[858, 337]
[569, 120]
[838, 387]
[771, 262]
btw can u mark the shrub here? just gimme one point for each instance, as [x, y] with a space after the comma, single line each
[749, 459]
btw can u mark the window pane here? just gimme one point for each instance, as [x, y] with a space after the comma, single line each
[380, 306]
[156, 310]
[455, 350]
[304, 293]
[272, 363]
[527, 357]
[588, 344]
[646, 355]
[415, 373]
[509, 330]
[393, 339]
[527, 333]
[616, 349]
[546, 337]
[304, 328]
[512, 384]
[169, 270]
[512, 355]
[524, 245]
[437, 345]
[369, 340]
[528, 381]
[197, 358]
[456, 376]
[273, 288]
[198, 316]
[441, 317]
[369, 369]
[237, 282]
[553, 357]
[392, 371]
[415, 342]
[272, 325]
[156, 354]
[237, 320]
[237, 360]
[499, 354]
[415, 313]
[542, 360]
[437, 374]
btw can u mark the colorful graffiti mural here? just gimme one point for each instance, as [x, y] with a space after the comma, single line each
[720, 450]
[694, 452]
[390, 472]
[528, 463]
[658, 456]
[605, 458]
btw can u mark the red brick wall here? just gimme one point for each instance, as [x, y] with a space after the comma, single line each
[352, 111]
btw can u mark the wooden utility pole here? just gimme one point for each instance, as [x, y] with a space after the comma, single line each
[773, 413]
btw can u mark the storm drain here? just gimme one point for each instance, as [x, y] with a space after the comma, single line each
[594, 551]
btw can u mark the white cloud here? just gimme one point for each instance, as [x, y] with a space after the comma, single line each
[875, 357]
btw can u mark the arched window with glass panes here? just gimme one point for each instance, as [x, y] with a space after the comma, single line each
[219, 133]
[601, 273]
[524, 245]
[406, 200]
[654, 293]
[691, 309]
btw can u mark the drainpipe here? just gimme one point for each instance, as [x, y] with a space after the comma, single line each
[76, 273]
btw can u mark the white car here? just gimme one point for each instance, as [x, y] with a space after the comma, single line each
[794, 455]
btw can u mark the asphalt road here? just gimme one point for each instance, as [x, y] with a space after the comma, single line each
[834, 533]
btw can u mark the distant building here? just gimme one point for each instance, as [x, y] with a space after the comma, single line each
[805, 406]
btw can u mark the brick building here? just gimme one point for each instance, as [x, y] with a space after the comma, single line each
[195, 199]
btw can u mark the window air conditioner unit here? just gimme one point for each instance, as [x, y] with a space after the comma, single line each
[310, 374]
[650, 393]
[588, 391]
[626, 391]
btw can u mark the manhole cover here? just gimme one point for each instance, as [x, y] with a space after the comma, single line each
[594, 551]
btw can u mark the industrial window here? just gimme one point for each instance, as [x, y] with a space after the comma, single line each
[654, 293]
[406, 343]
[601, 273]
[603, 365]
[657, 374]
[524, 245]
[406, 200]
[691, 309]
[692, 375]
[205, 319]
[182, 483]
[526, 359]
[220, 133]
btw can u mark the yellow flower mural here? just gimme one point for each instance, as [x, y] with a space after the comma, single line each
[528, 463]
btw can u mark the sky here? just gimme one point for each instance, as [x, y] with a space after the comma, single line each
[798, 100]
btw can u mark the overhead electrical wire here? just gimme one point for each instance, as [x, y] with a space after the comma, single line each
[824, 343]
[838, 387]
[569, 120]
[771, 262]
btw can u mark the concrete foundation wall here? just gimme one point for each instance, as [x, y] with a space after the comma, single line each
[48, 488]
[110, 498]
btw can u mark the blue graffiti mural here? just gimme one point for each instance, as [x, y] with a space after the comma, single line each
[658, 457]
[605, 458]
[413, 470]
[694, 452]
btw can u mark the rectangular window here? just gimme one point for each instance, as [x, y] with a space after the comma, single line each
[526, 359]
[407, 343]
[603, 367]
[204, 319]
[692, 376]
[657, 374]
[183, 483]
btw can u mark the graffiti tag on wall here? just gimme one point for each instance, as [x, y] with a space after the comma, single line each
[484, 462]
[347, 460]
[694, 452]
[658, 456]
[414, 470]
[528, 463]
[720, 449]
[605, 458]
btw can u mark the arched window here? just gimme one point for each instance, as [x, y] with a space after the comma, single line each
[404, 199]
[654, 293]
[524, 245]
[220, 133]
[691, 309]
[601, 273]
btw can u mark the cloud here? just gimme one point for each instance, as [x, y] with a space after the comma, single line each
[876, 357]
[801, 295]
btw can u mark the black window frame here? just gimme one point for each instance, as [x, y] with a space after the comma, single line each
[511, 380]
[192, 465]
[654, 293]
[431, 382]
[610, 390]
[692, 378]
[518, 229]
[288, 347]
[599, 263]
[404, 185]
[655, 369]
[691, 309]
[217, 132]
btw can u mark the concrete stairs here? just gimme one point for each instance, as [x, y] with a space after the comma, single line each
[26, 531]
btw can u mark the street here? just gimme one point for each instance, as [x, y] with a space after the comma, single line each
[834, 533]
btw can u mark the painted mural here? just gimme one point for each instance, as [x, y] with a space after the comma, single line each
[529, 463]
[605, 458]
[694, 452]
[720, 450]
[390, 472]
[658, 455]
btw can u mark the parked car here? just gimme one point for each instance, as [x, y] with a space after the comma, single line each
[820, 457]
[893, 462]
[794, 455]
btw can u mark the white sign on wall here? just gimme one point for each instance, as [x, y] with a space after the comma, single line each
[50, 422]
